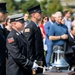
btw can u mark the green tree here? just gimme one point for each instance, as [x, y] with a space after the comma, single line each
[10, 5]
[53, 7]
[28, 4]
[43, 4]
[19, 4]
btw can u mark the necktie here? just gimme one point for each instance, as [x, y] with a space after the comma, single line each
[2, 32]
[0, 26]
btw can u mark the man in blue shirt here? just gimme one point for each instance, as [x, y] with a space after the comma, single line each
[58, 32]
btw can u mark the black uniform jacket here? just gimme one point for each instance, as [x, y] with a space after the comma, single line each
[70, 42]
[17, 64]
[35, 43]
[69, 52]
[2, 51]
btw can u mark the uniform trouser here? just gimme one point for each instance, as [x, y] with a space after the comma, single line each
[49, 54]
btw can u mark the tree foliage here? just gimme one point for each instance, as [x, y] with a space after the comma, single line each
[43, 6]
[28, 4]
[54, 6]
[10, 5]
[19, 4]
[48, 6]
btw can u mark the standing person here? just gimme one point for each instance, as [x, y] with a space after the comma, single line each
[70, 48]
[48, 41]
[8, 24]
[58, 32]
[73, 19]
[43, 22]
[3, 16]
[62, 21]
[26, 16]
[17, 62]
[8, 28]
[67, 15]
[34, 37]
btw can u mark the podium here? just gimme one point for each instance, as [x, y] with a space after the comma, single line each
[64, 72]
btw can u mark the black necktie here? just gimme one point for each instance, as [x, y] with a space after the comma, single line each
[0, 27]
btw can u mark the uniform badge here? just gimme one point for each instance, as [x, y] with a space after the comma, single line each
[27, 30]
[10, 40]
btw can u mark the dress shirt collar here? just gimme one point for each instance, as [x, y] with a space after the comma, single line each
[36, 24]
[50, 21]
[1, 26]
[71, 35]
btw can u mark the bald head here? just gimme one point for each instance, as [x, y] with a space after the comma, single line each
[52, 17]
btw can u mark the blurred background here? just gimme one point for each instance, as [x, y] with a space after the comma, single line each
[48, 6]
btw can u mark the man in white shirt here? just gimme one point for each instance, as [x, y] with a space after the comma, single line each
[67, 14]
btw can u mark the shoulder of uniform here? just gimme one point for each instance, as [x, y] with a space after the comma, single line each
[31, 24]
[10, 37]
[10, 34]
[27, 29]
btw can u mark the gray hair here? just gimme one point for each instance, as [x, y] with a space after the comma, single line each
[57, 13]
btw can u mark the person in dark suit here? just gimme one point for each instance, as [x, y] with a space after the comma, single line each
[26, 16]
[34, 37]
[18, 62]
[70, 47]
[3, 15]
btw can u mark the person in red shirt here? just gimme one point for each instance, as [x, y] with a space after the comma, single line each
[43, 22]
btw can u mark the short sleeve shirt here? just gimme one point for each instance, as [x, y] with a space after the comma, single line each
[58, 30]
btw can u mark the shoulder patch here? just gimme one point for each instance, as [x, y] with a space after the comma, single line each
[10, 40]
[27, 30]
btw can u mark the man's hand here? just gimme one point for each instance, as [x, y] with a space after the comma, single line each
[35, 65]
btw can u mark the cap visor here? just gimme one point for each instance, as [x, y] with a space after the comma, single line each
[22, 21]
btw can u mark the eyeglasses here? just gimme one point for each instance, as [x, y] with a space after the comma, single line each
[45, 18]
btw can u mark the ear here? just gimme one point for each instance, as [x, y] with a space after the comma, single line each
[33, 14]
